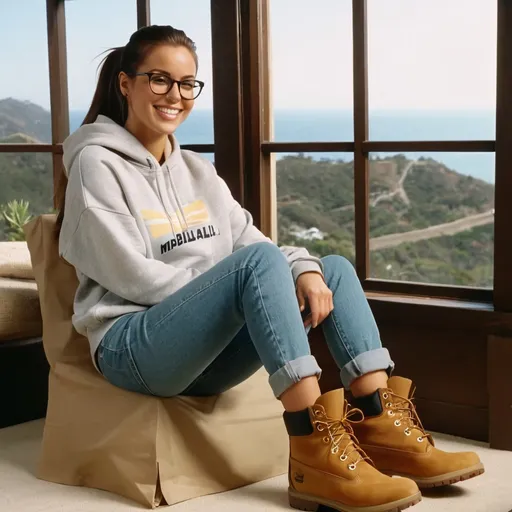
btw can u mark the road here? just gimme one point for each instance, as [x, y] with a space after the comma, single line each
[448, 228]
[399, 189]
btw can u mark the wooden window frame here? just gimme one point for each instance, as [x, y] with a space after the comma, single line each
[244, 150]
[500, 297]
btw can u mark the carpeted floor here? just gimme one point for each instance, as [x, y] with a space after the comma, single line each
[21, 491]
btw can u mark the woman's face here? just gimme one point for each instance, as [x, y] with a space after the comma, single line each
[160, 114]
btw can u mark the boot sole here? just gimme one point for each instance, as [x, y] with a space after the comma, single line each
[443, 480]
[313, 503]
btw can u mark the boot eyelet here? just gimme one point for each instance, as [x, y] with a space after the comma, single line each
[397, 423]
[326, 440]
[420, 439]
[318, 412]
[352, 467]
[391, 413]
[320, 427]
[388, 404]
[407, 432]
[385, 396]
[343, 458]
[335, 450]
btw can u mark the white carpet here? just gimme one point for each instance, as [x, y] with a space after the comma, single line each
[20, 490]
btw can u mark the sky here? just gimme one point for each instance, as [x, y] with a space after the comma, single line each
[422, 54]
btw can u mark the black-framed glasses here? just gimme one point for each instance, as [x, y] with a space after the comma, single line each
[189, 89]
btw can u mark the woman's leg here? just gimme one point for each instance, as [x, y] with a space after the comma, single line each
[165, 349]
[391, 434]
[351, 331]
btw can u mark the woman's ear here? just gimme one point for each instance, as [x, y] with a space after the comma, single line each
[124, 81]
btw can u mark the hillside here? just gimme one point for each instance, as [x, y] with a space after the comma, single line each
[24, 117]
[405, 195]
[320, 194]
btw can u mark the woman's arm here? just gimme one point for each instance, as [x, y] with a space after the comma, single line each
[246, 233]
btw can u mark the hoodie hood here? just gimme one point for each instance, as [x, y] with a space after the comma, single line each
[107, 133]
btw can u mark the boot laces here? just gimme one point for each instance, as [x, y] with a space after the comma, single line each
[407, 414]
[342, 430]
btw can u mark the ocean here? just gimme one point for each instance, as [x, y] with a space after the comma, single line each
[337, 125]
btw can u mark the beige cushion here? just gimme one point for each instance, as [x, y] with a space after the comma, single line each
[20, 316]
[15, 260]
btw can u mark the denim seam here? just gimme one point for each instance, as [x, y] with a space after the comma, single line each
[122, 336]
[275, 339]
[135, 371]
[342, 337]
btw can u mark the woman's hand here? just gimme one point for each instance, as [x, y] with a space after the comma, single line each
[312, 291]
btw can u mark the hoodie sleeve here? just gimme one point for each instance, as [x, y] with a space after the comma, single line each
[245, 233]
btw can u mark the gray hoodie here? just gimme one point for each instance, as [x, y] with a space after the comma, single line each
[137, 231]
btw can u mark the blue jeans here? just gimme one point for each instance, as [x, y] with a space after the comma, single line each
[243, 313]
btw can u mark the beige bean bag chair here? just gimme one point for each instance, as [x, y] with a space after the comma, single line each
[155, 451]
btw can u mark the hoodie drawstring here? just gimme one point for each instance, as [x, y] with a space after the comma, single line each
[159, 187]
[178, 200]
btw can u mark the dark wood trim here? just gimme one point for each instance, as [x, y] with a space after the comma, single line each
[361, 165]
[460, 146]
[499, 388]
[57, 58]
[143, 13]
[227, 103]
[439, 314]
[199, 148]
[31, 148]
[503, 183]
[252, 93]
[307, 147]
[429, 290]
[268, 179]
[23, 381]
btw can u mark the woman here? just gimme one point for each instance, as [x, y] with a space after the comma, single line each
[181, 295]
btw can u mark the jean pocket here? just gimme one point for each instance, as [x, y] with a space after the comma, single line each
[115, 367]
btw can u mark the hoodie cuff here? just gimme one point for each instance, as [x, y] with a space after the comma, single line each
[301, 267]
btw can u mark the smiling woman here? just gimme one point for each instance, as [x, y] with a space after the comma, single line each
[149, 85]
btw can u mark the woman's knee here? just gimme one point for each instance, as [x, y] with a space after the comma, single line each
[338, 265]
[265, 252]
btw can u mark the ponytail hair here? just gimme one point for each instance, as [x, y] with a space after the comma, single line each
[108, 99]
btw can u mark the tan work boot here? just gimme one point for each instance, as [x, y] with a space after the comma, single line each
[327, 467]
[397, 442]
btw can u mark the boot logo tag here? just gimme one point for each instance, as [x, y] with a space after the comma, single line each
[299, 478]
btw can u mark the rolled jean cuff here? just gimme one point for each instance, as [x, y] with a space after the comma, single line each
[293, 372]
[367, 362]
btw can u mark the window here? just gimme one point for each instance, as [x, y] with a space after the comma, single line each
[25, 86]
[92, 28]
[426, 212]
[26, 178]
[311, 79]
[431, 222]
[315, 203]
[432, 69]
[193, 17]
[27, 189]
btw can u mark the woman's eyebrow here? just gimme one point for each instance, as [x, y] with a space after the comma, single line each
[156, 70]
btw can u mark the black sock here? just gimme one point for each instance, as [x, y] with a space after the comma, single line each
[369, 404]
[298, 423]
